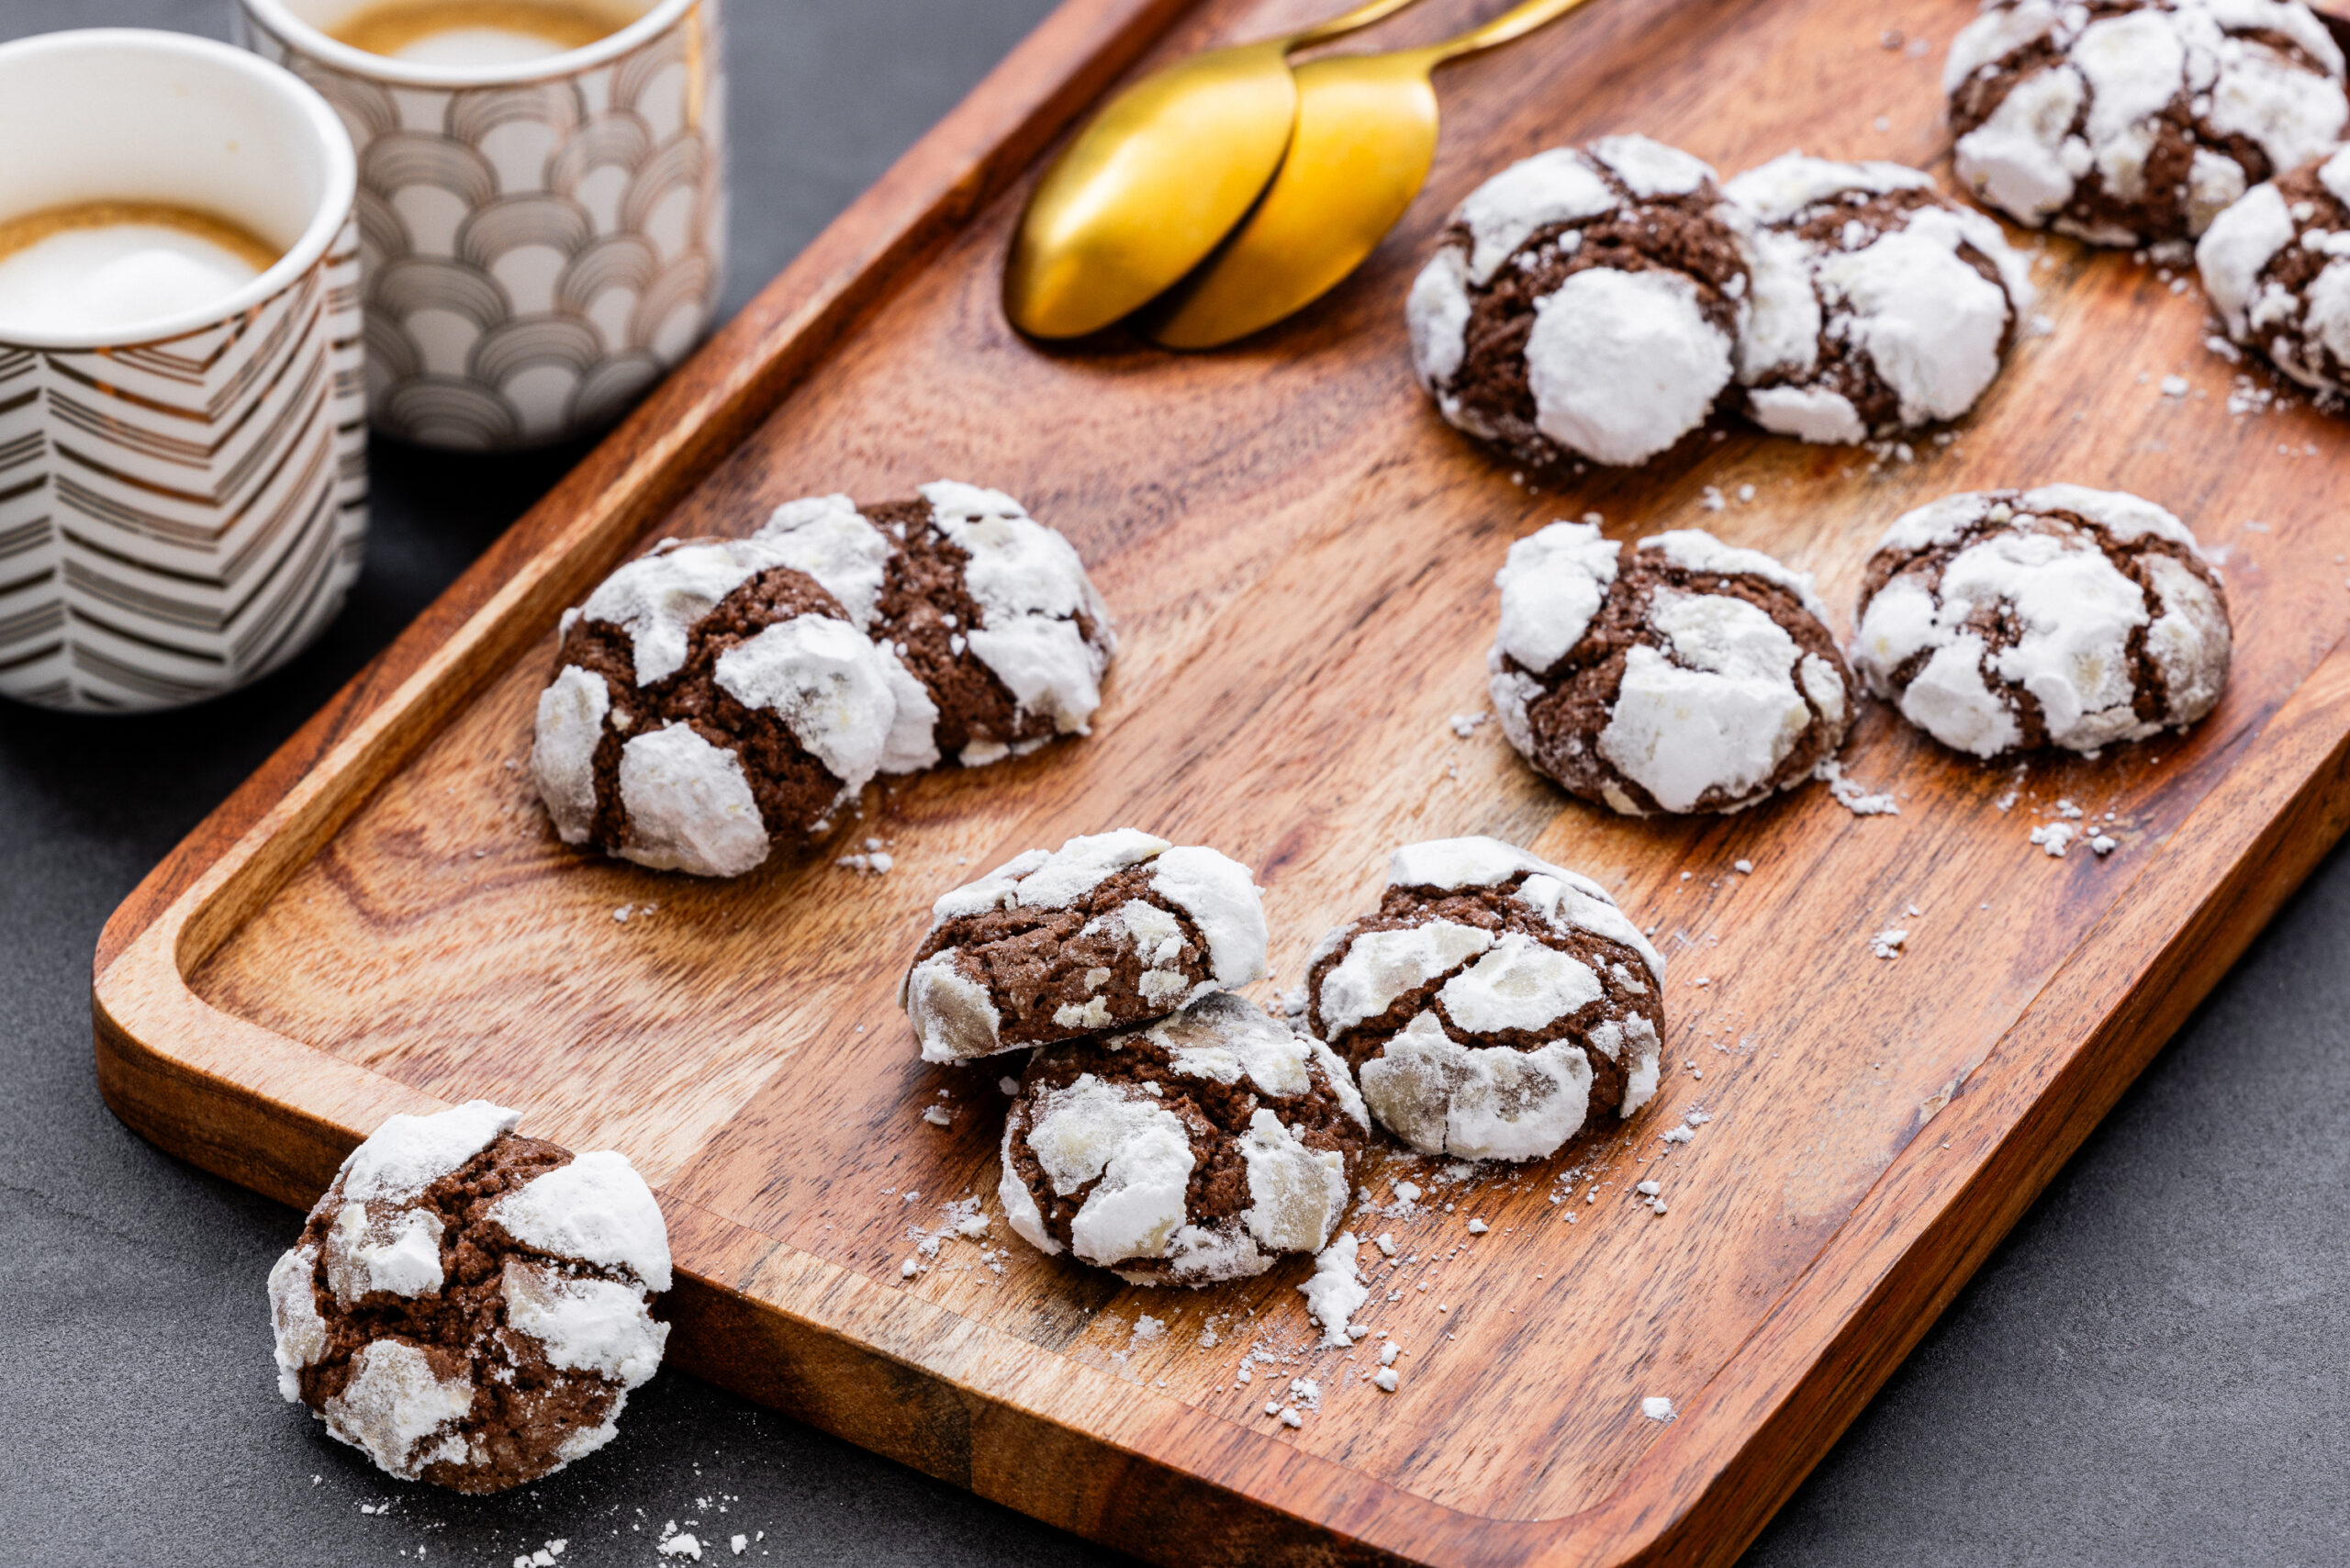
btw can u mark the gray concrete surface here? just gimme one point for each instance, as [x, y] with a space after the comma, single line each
[2152, 1371]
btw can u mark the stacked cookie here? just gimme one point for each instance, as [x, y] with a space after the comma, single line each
[1600, 303]
[1163, 1127]
[1168, 1130]
[719, 697]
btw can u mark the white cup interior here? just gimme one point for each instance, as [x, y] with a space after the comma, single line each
[328, 15]
[306, 25]
[130, 115]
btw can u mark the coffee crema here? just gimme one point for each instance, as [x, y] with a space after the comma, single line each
[479, 32]
[111, 266]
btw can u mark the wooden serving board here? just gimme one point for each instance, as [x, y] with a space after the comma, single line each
[1301, 557]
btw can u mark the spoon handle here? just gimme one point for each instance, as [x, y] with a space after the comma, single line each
[1516, 22]
[1361, 16]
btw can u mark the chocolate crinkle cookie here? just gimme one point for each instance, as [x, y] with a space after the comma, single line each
[711, 701]
[2276, 266]
[1104, 932]
[2002, 621]
[1200, 1148]
[1583, 303]
[990, 610]
[1686, 676]
[1879, 303]
[1490, 1002]
[2127, 122]
[468, 1305]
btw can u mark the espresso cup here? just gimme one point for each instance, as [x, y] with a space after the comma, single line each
[182, 437]
[542, 237]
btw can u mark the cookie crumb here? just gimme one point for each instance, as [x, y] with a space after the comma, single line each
[1887, 943]
[1853, 795]
[2054, 837]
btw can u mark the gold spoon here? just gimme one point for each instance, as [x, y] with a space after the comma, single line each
[1162, 174]
[1366, 134]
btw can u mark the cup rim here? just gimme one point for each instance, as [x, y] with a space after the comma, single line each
[298, 34]
[334, 208]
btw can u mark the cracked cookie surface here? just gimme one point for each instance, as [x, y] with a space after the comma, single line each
[1107, 931]
[467, 1305]
[1200, 1148]
[709, 703]
[1583, 303]
[2000, 622]
[2276, 268]
[1880, 304]
[1684, 676]
[987, 611]
[2129, 123]
[1491, 1004]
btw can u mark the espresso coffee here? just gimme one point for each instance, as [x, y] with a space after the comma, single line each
[111, 266]
[479, 32]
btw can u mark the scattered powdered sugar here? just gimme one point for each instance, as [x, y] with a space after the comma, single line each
[2054, 837]
[1853, 795]
[1886, 943]
[1336, 1292]
[1657, 1408]
[1465, 724]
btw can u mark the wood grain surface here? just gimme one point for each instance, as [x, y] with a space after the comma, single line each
[1301, 558]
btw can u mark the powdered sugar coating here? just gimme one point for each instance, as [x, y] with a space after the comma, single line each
[949, 993]
[829, 539]
[1669, 686]
[1878, 305]
[1029, 587]
[657, 598]
[690, 805]
[2139, 120]
[1475, 1001]
[702, 655]
[1698, 551]
[572, 712]
[1565, 898]
[828, 683]
[1111, 1133]
[1624, 364]
[394, 1408]
[1618, 360]
[1551, 584]
[2276, 266]
[389, 1279]
[595, 1208]
[2061, 616]
[406, 1154]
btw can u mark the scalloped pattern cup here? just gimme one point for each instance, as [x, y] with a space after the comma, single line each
[541, 241]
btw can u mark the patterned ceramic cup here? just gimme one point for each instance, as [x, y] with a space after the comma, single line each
[183, 502]
[540, 241]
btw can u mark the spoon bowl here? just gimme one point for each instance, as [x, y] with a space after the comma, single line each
[1147, 190]
[1366, 135]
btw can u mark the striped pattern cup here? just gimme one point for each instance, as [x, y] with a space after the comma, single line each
[183, 510]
